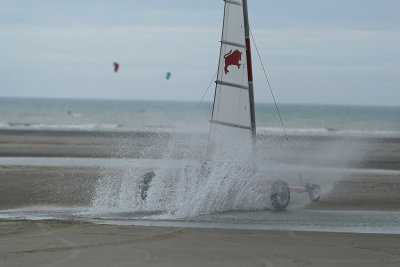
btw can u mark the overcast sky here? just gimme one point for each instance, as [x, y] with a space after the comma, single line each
[315, 51]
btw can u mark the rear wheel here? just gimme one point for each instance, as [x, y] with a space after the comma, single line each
[314, 192]
[280, 195]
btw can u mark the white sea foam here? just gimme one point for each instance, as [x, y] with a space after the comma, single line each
[328, 132]
[171, 129]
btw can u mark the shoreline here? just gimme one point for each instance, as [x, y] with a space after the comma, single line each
[156, 131]
[352, 152]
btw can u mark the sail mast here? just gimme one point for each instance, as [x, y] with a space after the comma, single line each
[249, 69]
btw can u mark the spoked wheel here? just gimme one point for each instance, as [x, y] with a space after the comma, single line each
[145, 184]
[280, 195]
[314, 191]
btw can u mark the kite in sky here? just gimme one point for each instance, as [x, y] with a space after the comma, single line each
[116, 66]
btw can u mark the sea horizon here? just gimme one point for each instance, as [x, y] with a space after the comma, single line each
[22, 113]
[197, 101]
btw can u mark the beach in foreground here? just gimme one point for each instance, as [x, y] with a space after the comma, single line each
[62, 243]
[78, 243]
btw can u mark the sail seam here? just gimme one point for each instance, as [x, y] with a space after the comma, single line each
[233, 44]
[232, 84]
[230, 124]
[233, 2]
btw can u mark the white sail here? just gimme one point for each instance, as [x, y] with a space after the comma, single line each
[232, 110]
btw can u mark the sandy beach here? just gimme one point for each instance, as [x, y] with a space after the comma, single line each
[75, 243]
[54, 243]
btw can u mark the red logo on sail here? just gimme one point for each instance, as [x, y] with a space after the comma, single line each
[232, 58]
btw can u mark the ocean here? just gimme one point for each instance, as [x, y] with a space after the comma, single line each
[164, 116]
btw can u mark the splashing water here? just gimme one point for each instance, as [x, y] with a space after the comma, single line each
[231, 180]
[225, 183]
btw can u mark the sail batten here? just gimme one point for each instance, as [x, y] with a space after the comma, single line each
[236, 85]
[234, 2]
[233, 44]
[231, 124]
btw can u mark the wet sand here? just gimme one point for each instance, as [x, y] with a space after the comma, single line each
[348, 151]
[71, 243]
[54, 243]
[44, 185]
[27, 185]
